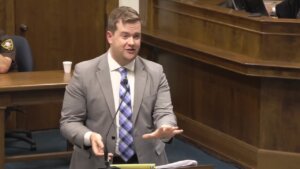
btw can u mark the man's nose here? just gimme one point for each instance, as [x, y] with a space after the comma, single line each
[130, 41]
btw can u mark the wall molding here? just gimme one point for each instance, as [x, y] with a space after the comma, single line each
[243, 154]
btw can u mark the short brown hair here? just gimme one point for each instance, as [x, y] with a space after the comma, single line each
[125, 14]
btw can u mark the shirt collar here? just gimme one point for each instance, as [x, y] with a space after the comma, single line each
[113, 65]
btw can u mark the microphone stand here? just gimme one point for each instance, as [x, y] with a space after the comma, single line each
[106, 161]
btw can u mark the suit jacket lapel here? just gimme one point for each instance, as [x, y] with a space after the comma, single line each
[103, 76]
[140, 83]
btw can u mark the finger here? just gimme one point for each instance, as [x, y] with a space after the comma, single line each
[175, 132]
[100, 143]
[98, 150]
[179, 131]
[175, 128]
[96, 138]
[168, 129]
[151, 135]
[170, 133]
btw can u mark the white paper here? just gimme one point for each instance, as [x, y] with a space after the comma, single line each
[178, 164]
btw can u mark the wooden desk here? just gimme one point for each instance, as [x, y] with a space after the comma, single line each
[28, 88]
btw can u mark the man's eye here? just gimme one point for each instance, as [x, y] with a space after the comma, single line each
[136, 37]
[125, 36]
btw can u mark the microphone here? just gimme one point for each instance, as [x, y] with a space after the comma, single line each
[106, 161]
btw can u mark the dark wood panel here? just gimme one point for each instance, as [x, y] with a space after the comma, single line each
[220, 99]
[204, 137]
[62, 30]
[280, 115]
[180, 77]
[2, 14]
[7, 16]
[36, 117]
[227, 102]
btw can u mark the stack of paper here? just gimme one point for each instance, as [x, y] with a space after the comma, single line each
[178, 164]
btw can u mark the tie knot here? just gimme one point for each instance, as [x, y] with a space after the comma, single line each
[123, 71]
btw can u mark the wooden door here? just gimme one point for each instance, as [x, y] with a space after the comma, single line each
[58, 30]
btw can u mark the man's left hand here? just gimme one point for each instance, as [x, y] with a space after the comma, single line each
[164, 132]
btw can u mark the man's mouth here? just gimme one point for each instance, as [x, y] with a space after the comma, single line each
[130, 50]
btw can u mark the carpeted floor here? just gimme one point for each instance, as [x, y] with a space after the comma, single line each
[51, 140]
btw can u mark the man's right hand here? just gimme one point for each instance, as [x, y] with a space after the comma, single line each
[97, 144]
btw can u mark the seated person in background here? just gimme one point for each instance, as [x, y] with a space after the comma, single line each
[288, 9]
[7, 54]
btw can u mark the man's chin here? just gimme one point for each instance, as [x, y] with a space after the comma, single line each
[130, 56]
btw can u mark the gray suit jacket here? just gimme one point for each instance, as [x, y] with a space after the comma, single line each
[89, 106]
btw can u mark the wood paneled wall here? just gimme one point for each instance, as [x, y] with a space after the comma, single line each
[58, 30]
[7, 16]
[2, 16]
[235, 79]
[61, 30]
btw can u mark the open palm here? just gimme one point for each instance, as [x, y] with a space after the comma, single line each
[164, 132]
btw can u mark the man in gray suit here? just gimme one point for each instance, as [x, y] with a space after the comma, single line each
[119, 102]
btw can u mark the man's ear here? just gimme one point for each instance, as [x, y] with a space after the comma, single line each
[109, 36]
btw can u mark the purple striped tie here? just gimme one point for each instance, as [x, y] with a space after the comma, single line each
[125, 130]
